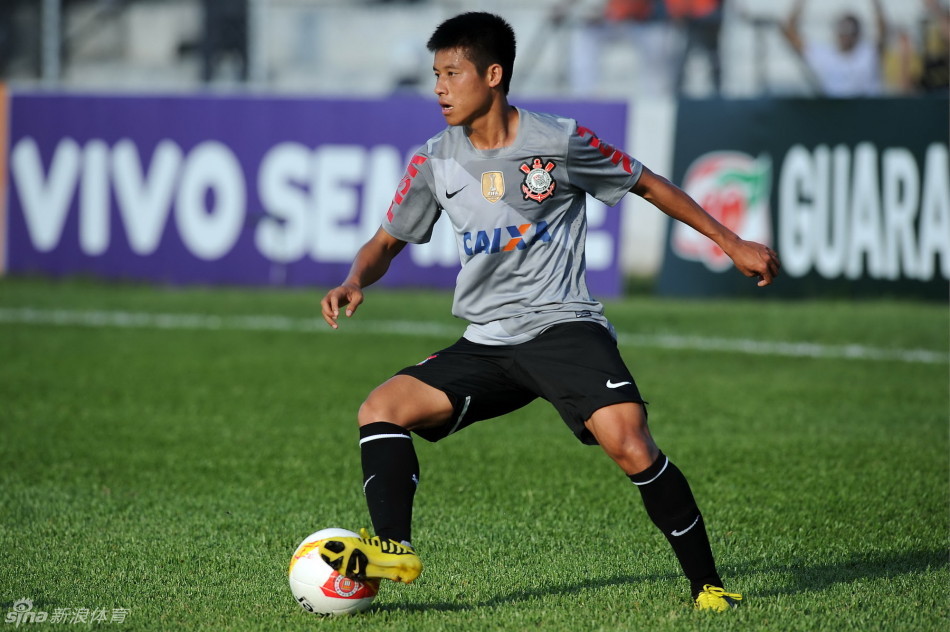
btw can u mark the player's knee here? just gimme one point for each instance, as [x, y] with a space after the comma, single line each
[624, 435]
[406, 402]
[634, 453]
[375, 408]
[385, 405]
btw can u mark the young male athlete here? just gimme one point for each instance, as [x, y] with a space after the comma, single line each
[513, 184]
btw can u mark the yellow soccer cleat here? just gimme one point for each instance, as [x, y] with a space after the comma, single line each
[716, 599]
[368, 557]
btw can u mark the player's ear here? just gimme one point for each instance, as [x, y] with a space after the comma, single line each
[494, 74]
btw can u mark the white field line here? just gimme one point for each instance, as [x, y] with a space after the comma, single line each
[147, 320]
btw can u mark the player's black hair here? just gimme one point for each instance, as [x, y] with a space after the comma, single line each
[486, 39]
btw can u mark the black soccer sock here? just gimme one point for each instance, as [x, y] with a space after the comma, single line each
[670, 504]
[390, 477]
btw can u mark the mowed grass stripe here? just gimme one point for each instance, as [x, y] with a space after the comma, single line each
[264, 322]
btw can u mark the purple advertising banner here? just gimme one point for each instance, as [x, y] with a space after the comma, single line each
[238, 189]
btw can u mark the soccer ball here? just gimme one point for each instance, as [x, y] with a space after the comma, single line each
[320, 589]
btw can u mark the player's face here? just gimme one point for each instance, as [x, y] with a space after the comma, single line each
[464, 93]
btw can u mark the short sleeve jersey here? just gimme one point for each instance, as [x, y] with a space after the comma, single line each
[519, 217]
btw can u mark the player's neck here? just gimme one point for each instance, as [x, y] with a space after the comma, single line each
[498, 128]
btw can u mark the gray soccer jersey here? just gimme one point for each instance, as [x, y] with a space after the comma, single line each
[519, 218]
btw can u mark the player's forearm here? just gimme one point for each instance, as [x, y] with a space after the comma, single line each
[675, 203]
[690, 213]
[372, 262]
[367, 268]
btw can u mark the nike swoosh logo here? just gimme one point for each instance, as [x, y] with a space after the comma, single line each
[679, 533]
[617, 384]
[449, 196]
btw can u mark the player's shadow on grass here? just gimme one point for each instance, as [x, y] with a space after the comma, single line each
[530, 594]
[806, 577]
[803, 578]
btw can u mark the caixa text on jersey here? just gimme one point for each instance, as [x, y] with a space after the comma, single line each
[505, 239]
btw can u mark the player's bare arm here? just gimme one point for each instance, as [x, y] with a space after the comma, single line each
[752, 259]
[371, 263]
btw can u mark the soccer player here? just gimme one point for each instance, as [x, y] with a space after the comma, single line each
[513, 183]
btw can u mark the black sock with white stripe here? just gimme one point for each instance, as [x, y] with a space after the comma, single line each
[390, 477]
[670, 504]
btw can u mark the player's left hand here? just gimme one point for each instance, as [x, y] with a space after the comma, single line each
[756, 260]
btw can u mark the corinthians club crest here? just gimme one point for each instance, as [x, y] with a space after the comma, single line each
[538, 183]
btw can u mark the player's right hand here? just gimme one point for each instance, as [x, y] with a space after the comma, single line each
[346, 295]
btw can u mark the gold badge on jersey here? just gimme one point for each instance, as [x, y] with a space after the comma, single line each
[493, 185]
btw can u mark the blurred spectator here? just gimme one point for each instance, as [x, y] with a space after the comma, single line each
[852, 66]
[645, 23]
[225, 35]
[934, 75]
[901, 64]
[701, 22]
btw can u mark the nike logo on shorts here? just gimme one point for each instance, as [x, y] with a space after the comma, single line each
[617, 384]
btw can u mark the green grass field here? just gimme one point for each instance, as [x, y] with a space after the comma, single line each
[164, 451]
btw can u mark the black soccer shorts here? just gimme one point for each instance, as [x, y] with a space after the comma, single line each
[575, 366]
